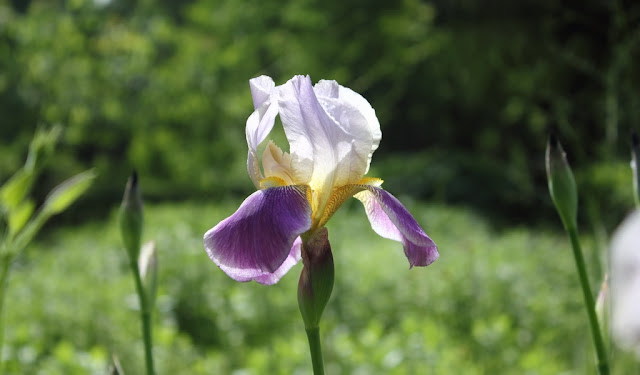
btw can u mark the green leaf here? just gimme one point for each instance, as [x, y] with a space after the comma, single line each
[13, 191]
[19, 216]
[63, 195]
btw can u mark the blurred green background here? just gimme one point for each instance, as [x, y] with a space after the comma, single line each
[466, 92]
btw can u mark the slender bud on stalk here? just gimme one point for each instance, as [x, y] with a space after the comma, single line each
[42, 147]
[635, 160]
[148, 268]
[316, 280]
[562, 185]
[131, 217]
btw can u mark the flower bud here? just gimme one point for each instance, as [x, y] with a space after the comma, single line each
[635, 159]
[130, 217]
[42, 147]
[562, 185]
[148, 268]
[316, 280]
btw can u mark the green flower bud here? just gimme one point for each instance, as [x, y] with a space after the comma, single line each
[562, 185]
[148, 268]
[42, 147]
[130, 217]
[316, 280]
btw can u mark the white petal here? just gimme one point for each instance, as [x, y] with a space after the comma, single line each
[261, 121]
[261, 88]
[330, 139]
[276, 163]
[358, 101]
[327, 89]
[625, 283]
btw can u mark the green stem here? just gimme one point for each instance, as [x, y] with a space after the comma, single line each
[4, 275]
[145, 316]
[603, 364]
[313, 334]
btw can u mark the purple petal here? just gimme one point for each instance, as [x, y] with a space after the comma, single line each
[257, 241]
[268, 278]
[390, 219]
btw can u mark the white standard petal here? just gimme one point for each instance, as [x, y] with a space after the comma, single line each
[330, 140]
[625, 284]
[356, 100]
[355, 116]
[261, 88]
[260, 122]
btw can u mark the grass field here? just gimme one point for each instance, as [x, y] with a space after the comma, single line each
[498, 301]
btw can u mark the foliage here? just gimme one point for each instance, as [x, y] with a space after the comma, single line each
[496, 302]
[162, 86]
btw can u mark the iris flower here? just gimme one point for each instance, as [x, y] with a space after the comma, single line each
[332, 133]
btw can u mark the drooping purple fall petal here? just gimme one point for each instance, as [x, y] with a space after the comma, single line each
[257, 241]
[270, 278]
[390, 219]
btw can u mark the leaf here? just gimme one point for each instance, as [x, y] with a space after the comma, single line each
[63, 195]
[19, 216]
[13, 191]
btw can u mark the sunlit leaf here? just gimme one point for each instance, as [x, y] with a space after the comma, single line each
[63, 195]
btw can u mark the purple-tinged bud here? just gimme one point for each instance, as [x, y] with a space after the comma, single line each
[635, 160]
[562, 185]
[130, 217]
[316, 280]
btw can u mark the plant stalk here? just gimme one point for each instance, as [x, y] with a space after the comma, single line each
[145, 317]
[313, 334]
[603, 364]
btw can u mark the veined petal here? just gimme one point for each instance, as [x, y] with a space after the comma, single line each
[330, 141]
[268, 278]
[310, 131]
[354, 113]
[390, 219]
[255, 243]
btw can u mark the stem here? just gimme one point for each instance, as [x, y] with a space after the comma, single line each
[603, 365]
[4, 275]
[313, 334]
[145, 316]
